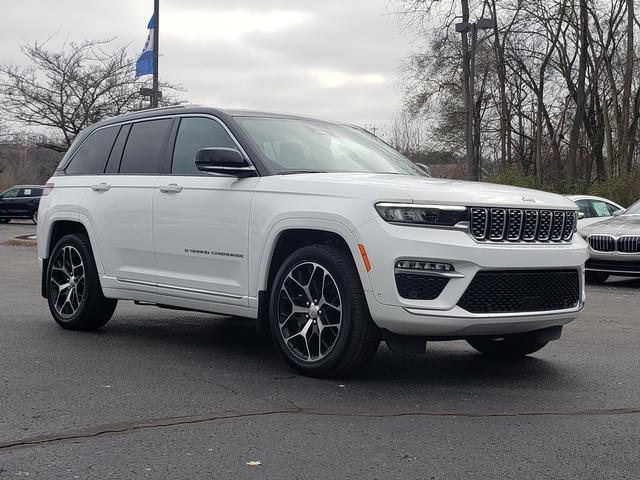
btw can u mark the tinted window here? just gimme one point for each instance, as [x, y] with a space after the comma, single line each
[584, 207]
[612, 208]
[31, 192]
[113, 164]
[13, 193]
[193, 135]
[144, 152]
[92, 155]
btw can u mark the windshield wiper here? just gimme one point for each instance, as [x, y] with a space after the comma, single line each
[295, 172]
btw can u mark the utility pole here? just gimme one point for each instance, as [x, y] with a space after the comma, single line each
[156, 44]
[473, 127]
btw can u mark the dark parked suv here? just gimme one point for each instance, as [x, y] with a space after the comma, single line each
[20, 201]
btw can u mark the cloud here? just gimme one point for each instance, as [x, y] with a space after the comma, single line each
[332, 58]
[230, 24]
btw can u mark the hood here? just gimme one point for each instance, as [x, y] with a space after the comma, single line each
[616, 226]
[389, 187]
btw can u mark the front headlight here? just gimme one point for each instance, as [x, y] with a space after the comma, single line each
[428, 215]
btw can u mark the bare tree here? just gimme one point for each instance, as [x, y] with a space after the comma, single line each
[68, 90]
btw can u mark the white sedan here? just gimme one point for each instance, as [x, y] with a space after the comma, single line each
[594, 209]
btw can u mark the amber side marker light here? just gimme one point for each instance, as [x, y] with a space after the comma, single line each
[365, 257]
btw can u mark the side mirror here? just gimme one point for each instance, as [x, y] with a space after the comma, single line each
[580, 215]
[425, 169]
[227, 161]
[617, 213]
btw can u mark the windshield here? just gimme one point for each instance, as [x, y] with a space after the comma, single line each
[300, 146]
[633, 209]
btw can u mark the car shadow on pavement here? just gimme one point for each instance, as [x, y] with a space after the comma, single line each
[219, 341]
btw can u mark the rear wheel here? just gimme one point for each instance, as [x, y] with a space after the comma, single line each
[34, 216]
[507, 348]
[319, 317]
[74, 293]
[596, 277]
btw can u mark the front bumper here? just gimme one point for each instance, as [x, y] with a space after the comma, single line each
[614, 263]
[386, 244]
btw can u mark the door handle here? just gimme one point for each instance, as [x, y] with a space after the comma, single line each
[171, 188]
[101, 187]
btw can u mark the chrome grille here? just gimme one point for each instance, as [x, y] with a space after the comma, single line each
[516, 224]
[602, 243]
[628, 244]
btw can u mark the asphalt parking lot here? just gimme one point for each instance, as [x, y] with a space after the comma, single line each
[162, 394]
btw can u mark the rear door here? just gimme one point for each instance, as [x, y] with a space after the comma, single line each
[121, 204]
[27, 201]
[201, 221]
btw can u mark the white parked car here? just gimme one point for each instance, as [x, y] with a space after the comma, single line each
[322, 232]
[594, 209]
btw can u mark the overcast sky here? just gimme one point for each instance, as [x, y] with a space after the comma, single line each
[336, 59]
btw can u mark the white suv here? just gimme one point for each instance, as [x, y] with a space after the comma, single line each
[320, 231]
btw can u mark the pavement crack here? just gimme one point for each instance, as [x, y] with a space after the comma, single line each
[125, 428]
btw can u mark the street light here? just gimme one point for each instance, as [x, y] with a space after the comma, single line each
[472, 127]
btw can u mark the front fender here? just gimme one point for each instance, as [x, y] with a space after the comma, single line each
[321, 222]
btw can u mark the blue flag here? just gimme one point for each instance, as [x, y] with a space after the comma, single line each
[144, 65]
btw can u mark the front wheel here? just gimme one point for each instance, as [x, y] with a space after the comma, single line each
[74, 293]
[506, 348]
[319, 318]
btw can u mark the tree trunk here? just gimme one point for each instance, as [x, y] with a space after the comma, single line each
[574, 135]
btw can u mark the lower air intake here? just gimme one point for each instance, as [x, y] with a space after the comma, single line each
[522, 291]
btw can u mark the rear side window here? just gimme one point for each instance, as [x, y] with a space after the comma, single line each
[145, 152]
[193, 135]
[92, 155]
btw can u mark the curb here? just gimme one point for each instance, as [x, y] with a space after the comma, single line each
[22, 241]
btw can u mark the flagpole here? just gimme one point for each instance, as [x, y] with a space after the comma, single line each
[156, 43]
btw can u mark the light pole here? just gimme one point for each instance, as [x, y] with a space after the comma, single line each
[472, 124]
[156, 46]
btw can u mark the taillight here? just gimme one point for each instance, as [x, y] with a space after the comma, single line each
[47, 189]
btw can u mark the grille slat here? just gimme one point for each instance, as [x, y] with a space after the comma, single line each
[602, 243]
[529, 225]
[629, 244]
[522, 291]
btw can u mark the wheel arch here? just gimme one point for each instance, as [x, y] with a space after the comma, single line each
[58, 228]
[286, 238]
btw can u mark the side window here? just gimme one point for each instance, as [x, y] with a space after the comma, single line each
[36, 192]
[193, 135]
[583, 206]
[91, 157]
[25, 192]
[612, 208]
[13, 193]
[600, 208]
[144, 152]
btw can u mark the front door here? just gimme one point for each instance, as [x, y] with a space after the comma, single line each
[201, 221]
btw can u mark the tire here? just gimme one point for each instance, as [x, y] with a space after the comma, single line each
[345, 334]
[596, 277]
[5, 220]
[73, 289]
[506, 348]
[34, 216]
